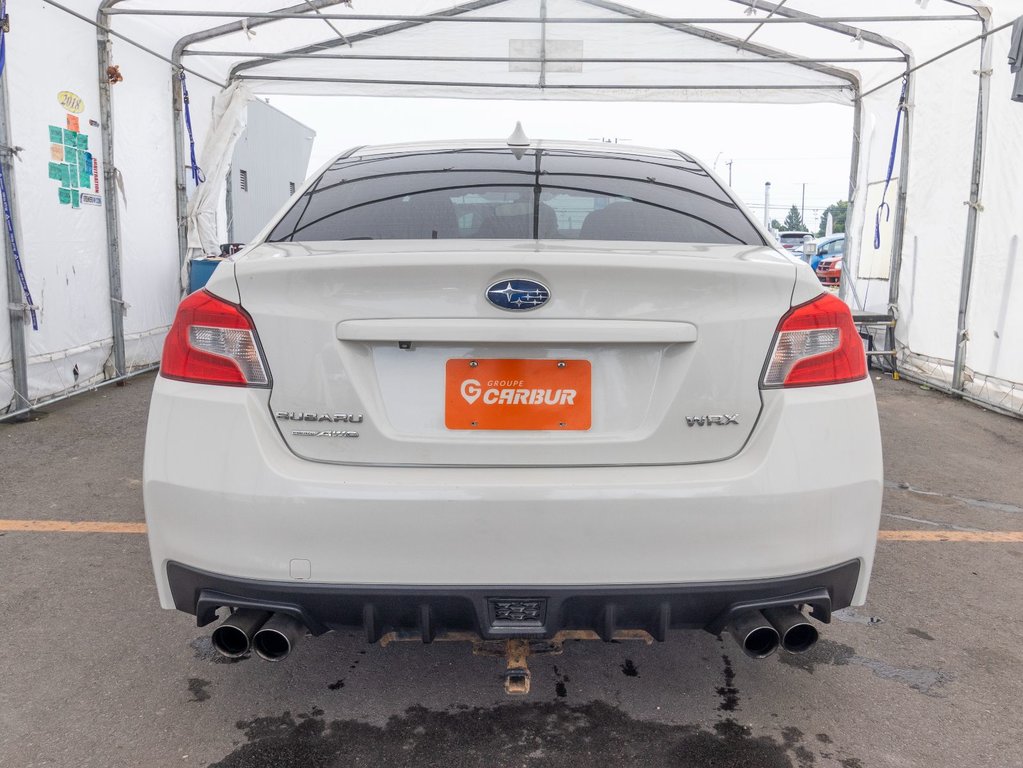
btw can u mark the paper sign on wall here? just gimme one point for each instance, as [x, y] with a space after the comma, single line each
[71, 162]
[71, 102]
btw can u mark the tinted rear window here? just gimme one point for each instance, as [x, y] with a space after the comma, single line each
[501, 194]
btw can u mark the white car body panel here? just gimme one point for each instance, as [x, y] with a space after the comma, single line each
[645, 382]
[244, 505]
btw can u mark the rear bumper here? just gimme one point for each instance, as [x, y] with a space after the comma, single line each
[224, 495]
[495, 612]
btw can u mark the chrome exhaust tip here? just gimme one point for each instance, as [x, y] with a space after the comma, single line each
[754, 634]
[797, 634]
[277, 638]
[233, 637]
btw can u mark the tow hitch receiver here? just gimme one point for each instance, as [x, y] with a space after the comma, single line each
[516, 677]
[517, 651]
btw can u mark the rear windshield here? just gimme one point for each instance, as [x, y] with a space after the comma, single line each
[795, 239]
[505, 194]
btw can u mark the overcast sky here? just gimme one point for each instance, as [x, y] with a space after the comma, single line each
[784, 144]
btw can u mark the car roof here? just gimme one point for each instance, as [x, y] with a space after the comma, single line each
[596, 147]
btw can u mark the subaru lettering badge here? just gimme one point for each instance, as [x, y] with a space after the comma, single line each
[518, 295]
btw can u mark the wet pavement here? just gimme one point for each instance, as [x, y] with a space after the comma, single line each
[93, 673]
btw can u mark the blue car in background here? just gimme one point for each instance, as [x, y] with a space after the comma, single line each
[828, 247]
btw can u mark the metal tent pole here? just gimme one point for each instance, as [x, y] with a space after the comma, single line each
[976, 177]
[224, 14]
[543, 45]
[854, 174]
[899, 226]
[180, 190]
[271, 56]
[177, 106]
[106, 117]
[561, 86]
[15, 298]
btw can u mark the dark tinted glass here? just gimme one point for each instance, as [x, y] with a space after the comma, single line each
[501, 194]
[796, 239]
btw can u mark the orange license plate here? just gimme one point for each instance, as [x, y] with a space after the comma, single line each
[517, 394]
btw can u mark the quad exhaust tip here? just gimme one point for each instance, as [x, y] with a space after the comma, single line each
[233, 638]
[277, 637]
[797, 634]
[754, 634]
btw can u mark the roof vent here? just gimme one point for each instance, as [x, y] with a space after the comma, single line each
[518, 137]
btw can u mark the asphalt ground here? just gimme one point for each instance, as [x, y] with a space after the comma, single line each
[928, 673]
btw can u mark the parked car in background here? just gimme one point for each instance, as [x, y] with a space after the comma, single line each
[829, 270]
[828, 247]
[512, 390]
[792, 241]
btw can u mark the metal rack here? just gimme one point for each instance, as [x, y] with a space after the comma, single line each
[866, 322]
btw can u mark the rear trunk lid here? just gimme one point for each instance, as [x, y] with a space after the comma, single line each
[390, 353]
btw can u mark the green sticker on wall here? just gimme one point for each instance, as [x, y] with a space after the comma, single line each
[74, 198]
[55, 172]
[83, 141]
[66, 178]
[70, 138]
[70, 156]
[56, 135]
[64, 195]
[84, 177]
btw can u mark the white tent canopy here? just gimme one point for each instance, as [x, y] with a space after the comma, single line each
[105, 276]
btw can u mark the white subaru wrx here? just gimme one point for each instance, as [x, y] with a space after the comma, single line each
[511, 391]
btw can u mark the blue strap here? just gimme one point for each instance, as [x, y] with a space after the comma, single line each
[884, 207]
[8, 218]
[197, 175]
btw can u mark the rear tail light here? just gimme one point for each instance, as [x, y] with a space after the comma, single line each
[816, 343]
[213, 342]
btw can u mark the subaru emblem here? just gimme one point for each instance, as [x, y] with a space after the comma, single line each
[518, 295]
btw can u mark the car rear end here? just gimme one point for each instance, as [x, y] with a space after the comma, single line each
[792, 242]
[512, 392]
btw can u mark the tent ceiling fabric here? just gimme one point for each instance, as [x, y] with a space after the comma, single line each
[453, 49]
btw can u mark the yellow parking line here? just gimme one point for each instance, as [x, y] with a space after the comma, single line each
[96, 526]
[987, 537]
[69, 526]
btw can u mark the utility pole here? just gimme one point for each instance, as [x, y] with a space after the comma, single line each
[767, 204]
[729, 164]
[802, 206]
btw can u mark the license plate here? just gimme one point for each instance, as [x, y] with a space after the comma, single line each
[517, 394]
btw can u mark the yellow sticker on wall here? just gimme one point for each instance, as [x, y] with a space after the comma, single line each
[71, 102]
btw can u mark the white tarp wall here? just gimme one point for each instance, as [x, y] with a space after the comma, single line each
[942, 131]
[995, 319]
[64, 248]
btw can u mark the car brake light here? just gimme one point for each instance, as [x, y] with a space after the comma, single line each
[213, 342]
[816, 343]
